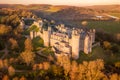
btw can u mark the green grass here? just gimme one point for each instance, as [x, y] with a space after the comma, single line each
[108, 26]
[112, 27]
[99, 53]
[26, 32]
[37, 42]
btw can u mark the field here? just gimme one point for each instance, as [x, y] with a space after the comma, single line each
[112, 27]
[115, 14]
[108, 26]
[99, 53]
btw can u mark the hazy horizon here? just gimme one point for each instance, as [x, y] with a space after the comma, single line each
[67, 2]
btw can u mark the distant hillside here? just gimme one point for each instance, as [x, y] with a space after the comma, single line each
[12, 6]
[64, 12]
[74, 13]
[41, 7]
[113, 10]
[106, 8]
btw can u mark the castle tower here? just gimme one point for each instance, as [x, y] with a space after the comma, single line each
[93, 34]
[46, 36]
[87, 44]
[22, 24]
[75, 44]
[31, 34]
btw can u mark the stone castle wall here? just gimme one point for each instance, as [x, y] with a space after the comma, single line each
[67, 40]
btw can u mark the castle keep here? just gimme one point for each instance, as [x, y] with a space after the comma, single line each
[65, 40]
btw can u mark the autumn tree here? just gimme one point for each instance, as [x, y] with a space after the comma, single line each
[4, 29]
[5, 62]
[107, 45]
[28, 45]
[117, 64]
[13, 43]
[27, 57]
[23, 78]
[5, 77]
[46, 65]
[15, 78]
[1, 64]
[11, 20]
[84, 23]
[11, 71]
[115, 77]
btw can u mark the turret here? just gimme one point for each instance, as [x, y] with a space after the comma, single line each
[92, 33]
[46, 36]
[75, 44]
[93, 40]
[31, 34]
[87, 44]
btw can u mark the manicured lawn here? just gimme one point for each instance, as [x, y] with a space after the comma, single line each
[107, 26]
[37, 43]
[99, 53]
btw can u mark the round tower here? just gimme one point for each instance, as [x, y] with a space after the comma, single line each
[75, 44]
[87, 44]
[46, 36]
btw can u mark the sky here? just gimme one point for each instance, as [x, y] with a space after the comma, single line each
[62, 2]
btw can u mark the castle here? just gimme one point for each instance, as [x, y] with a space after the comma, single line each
[65, 40]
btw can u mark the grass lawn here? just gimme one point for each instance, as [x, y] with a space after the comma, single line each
[99, 53]
[37, 43]
[107, 26]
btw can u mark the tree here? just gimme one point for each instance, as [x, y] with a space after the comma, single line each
[117, 64]
[15, 78]
[84, 23]
[4, 29]
[115, 77]
[27, 57]
[1, 64]
[14, 43]
[11, 71]
[5, 62]
[28, 45]
[23, 78]
[5, 77]
[46, 65]
[106, 45]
